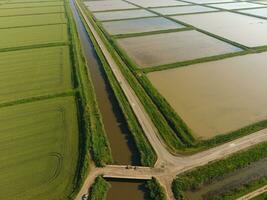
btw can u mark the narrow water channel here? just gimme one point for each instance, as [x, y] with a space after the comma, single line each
[127, 189]
[123, 148]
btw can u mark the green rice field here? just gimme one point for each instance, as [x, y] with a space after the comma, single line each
[28, 20]
[39, 129]
[31, 4]
[36, 35]
[38, 149]
[31, 11]
[26, 75]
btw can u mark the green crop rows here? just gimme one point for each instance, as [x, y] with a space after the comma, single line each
[41, 104]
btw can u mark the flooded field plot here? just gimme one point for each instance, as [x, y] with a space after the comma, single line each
[125, 14]
[36, 35]
[230, 181]
[159, 49]
[123, 189]
[261, 12]
[182, 10]
[108, 5]
[231, 26]
[238, 5]
[32, 4]
[30, 20]
[31, 11]
[140, 25]
[209, 1]
[38, 149]
[217, 97]
[158, 3]
[26, 75]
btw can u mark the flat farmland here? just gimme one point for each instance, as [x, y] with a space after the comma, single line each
[31, 11]
[26, 75]
[29, 20]
[217, 97]
[260, 12]
[140, 25]
[108, 5]
[230, 27]
[158, 3]
[236, 5]
[167, 48]
[31, 4]
[38, 35]
[38, 150]
[122, 14]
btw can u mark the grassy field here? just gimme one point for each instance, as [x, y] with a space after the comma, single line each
[28, 20]
[26, 75]
[31, 4]
[31, 11]
[38, 149]
[33, 36]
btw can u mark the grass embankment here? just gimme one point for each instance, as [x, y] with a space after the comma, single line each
[156, 191]
[146, 153]
[99, 189]
[205, 174]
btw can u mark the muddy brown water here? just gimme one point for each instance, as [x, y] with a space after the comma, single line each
[123, 148]
[230, 181]
[127, 189]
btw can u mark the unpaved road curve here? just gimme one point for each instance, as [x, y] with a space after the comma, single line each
[168, 165]
[254, 193]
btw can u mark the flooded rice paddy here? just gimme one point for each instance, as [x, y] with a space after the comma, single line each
[166, 48]
[208, 1]
[127, 190]
[260, 12]
[108, 5]
[245, 30]
[123, 14]
[158, 3]
[217, 97]
[238, 5]
[140, 25]
[230, 181]
[182, 10]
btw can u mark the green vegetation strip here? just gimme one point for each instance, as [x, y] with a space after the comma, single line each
[99, 189]
[16, 38]
[31, 11]
[205, 174]
[156, 191]
[146, 153]
[30, 5]
[29, 20]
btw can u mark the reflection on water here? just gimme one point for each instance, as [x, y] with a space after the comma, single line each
[127, 190]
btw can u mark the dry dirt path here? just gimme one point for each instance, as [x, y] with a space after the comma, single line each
[167, 165]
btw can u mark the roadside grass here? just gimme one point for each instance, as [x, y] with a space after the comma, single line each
[99, 189]
[205, 174]
[39, 149]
